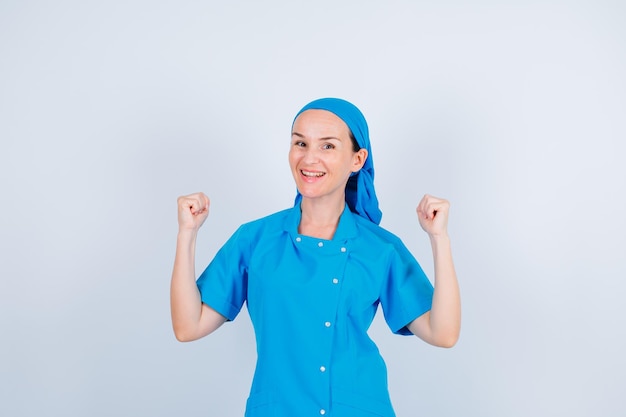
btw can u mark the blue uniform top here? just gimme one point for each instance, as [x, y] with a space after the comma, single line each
[311, 302]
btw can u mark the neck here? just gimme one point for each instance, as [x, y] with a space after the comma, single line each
[320, 218]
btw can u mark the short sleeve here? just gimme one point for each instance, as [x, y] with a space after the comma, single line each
[407, 292]
[223, 284]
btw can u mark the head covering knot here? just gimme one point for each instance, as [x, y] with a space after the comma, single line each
[360, 192]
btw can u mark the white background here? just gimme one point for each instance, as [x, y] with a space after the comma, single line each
[514, 111]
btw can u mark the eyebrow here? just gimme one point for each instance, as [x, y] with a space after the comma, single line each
[300, 135]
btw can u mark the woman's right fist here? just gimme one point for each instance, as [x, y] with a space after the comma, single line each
[193, 210]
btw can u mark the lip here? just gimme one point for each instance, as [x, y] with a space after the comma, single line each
[311, 176]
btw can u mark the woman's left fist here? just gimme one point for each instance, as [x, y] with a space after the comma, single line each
[432, 213]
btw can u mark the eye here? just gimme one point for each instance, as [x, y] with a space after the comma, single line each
[299, 144]
[328, 146]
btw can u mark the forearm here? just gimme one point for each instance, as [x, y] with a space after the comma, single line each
[445, 314]
[442, 324]
[185, 300]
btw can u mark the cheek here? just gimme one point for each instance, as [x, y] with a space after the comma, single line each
[293, 159]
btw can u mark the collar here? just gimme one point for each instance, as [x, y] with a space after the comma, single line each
[346, 228]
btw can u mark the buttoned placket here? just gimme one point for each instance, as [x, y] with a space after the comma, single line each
[328, 324]
[329, 247]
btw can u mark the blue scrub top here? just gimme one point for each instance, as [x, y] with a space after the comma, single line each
[311, 302]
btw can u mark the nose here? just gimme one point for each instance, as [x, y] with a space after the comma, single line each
[311, 155]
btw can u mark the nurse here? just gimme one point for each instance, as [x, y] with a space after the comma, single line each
[313, 276]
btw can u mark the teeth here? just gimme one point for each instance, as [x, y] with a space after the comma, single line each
[312, 174]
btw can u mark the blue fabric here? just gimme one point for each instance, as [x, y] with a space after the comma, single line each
[311, 302]
[360, 192]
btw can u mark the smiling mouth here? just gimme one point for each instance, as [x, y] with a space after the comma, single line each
[311, 174]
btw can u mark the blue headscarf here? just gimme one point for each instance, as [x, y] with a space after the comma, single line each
[360, 192]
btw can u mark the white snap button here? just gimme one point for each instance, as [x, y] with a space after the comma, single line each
[327, 324]
[335, 281]
[320, 244]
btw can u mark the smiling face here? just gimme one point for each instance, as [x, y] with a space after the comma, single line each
[321, 155]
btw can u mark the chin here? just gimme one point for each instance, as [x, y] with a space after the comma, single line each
[308, 194]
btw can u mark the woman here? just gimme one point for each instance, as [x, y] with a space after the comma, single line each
[313, 275]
